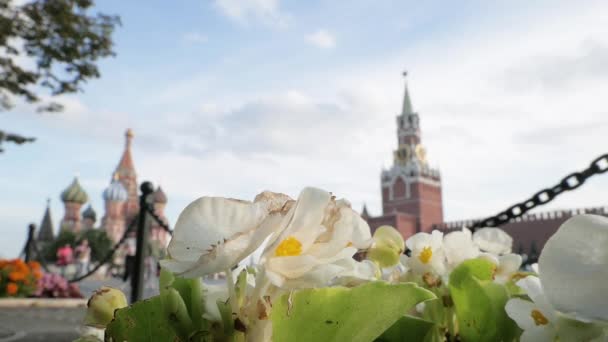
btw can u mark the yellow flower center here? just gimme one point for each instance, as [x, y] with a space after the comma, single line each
[426, 255]
[289, 247]
[539, 318]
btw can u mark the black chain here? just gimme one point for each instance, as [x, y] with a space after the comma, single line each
[158, 219]
[568, 183]
[109, 255]
[40, 256]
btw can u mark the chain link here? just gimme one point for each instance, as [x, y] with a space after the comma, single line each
[568, 183]
[109, 255]
[158, 219]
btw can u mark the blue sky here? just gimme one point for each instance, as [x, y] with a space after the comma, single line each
[232, 97]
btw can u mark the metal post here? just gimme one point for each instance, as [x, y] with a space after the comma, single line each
[30, 240]
[137, 278]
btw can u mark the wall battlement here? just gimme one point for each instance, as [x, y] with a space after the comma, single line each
[561, 215]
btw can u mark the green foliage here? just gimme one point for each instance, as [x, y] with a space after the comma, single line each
[63, 40]
[358, 314]
[407, 328]
[99, 242]
[142, 321]
[176, 314]
[65, 237]
[98, 239]
[480, 303]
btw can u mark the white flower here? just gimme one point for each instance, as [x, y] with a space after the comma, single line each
[213, 234]
[316, 234]
[458, 246]
[506, 265]
[493, 240]
[536, 318]
[214, 293]
[574, 268]
[355, 272]
[541, 322]
[427, 255]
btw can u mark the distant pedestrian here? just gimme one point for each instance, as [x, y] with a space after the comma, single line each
[64, 257]
[83, 257]
[130, 246]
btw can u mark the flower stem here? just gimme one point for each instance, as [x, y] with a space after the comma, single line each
[231, 292]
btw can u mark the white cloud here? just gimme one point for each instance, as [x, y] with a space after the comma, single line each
[248, 11]
[321, 39]
[492, 117]
[195, 38]
[495, 143]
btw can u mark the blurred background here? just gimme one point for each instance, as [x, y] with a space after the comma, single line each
[232, 97]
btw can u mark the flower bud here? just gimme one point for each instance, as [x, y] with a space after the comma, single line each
[101, 306]
[387, 247]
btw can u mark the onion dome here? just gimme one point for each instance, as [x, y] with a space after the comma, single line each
[89, 213]
[160, 196]
[74, 193]
[115, 192]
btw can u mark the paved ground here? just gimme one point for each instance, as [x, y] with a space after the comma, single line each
[55, 325]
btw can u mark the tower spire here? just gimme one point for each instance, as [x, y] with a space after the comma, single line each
[129, 136]
[126, 162]
[45, 233]
[407, 103]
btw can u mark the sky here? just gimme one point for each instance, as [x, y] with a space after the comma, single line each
[233, 97]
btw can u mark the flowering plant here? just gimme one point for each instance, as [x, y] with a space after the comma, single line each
[18, 278]
[307, 286]
[55, 286]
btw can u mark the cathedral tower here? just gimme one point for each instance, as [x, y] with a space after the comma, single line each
[157, 232]
[126, 175]
[411, 186]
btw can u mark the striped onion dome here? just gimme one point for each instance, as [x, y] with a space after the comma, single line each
[74, 193]
[115, 192]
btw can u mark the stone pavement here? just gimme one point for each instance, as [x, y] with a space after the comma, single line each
[55, 324]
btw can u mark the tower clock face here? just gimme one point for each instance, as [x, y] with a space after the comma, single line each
[402, 154]
[421, 153]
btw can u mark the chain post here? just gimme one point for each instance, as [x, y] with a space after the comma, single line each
[137, 279]
[30, 240]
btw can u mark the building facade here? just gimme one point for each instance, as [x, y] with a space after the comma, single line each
[121, 204]
[410, 188]
[412, 197]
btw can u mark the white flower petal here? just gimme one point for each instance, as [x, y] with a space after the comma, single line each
[509, 264]
[493, 240]
[574, 267]
[458, 247]
[520, 311]
[538, 334]
[534, 289]
[305, 224]
[212, 294]
[318, 276]
[355, 272]
[214, 233]
[297, 266]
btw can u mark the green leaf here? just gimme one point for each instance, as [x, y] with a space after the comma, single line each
[358, 314]
[407, 328]
[480, 303]
[142, 321]
[176, 312]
